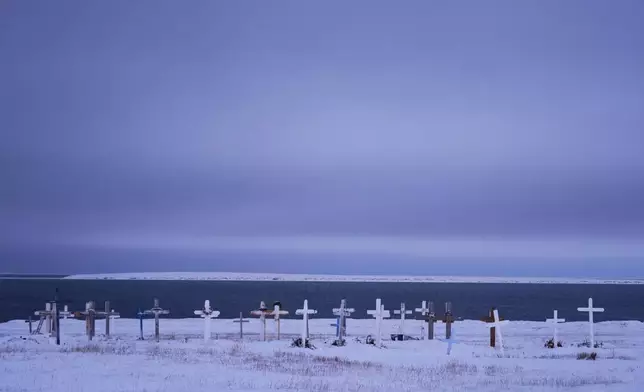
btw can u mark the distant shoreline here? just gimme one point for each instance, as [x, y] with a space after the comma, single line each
[232, 276]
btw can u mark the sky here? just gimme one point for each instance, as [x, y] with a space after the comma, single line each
[421, 137]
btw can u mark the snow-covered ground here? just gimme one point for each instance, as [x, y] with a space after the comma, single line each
[181, 361]
[240, 276]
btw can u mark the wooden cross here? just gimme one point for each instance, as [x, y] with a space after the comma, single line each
[305, 312]
[555, 320]
[402, 312]
[490, 319]
[276, 313]
[47, 316]
[496, 325]
[109, 314]
[207, 313]
[141, 314]
[448, 320]
[427, 311]
[590, 310]
[342, 312]
[241, 320]
[379, 313]
[90, 319]
[156, 311]
[261, 313]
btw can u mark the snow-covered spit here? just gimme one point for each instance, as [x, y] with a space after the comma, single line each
[182, 361]
[241, 276]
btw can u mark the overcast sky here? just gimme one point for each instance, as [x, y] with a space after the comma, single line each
[416, 137]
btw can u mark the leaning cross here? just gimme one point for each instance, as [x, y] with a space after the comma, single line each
[490, 319]
[555, 320]
[448, 320]
[156, 311]
[590, 311]
[207, 313]
[241, 320]
[342, 312]
[47, 316]
[496, 324]
[379, 313]
[276, 313]
[430, 318]
[402, 312]
[305, 312]
[261, 313]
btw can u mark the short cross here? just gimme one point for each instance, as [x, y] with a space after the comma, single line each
[113, 315]
[156, 311]
[448, 319]
[342, 312]
[450, 341]
[590, 311]
[430, 318]
[65, 313]
[496, 324]
[490, 319]
[555, 320]
[305, 312]
[241, 320]
[276, 313]
[379, 313]
[261, 313]
[109, 314]
[402, 312]
[207, 313]
[141, 314]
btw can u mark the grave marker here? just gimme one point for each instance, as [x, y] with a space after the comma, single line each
[496, 324]
[490, 319]
[402, 312]
[90, 319]
[157, 310]
[379, 313]
[109, 315]
[141, 315]
[427, 311]
[261, 313]
[342, 312]
[305, 312]
[590, 310]
[555, 320]
[45, 318]
[448, 320]
[241, 322]
[207, 313]
[276, 313]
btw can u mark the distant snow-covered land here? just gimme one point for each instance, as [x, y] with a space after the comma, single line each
[239, 276]
[182, 361]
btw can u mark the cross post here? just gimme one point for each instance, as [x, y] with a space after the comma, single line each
[261, 313]
[207, 313]
[241, 322]
[590, 310]
[276, 313]
[496, 324]
[90, 319]
[555, 320]
[448, 320]
[305, 312]
[402, 312]
[379, 313]
[156, 310]
[342, 312]
[490, 319]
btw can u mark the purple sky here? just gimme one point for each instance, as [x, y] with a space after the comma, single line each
[423, 137]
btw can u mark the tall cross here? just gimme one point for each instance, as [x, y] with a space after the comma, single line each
[207, 313]
[490, 319]
[342, 312]
[261, 313]
[555, 320]
[427, 311]
[402, 312]
[156, 310]
[276, 313]
[109, 314]
[305, 312]
[90, 319]
[591, 322]
[241, 320]
[496, 324]
[448, 319]
[379, 313]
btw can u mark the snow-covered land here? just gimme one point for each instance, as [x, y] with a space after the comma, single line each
[181, 361]
[240, 276]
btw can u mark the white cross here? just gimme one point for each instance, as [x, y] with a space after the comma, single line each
[497, 324]
[47, 313]
[342, 312]
[65, 313]
[590, 311]
[261, 312]
[113, 316]
[304, 312]
[555, 320]
[207, 314]
[277, 312]
[379, 313]
[424, 311]
[402, 312]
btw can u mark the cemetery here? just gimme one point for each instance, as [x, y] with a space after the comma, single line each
[392, 347]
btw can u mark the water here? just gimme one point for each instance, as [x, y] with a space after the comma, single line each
[20, 297]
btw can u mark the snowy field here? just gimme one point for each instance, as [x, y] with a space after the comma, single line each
[241, 276]
[182, 361]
